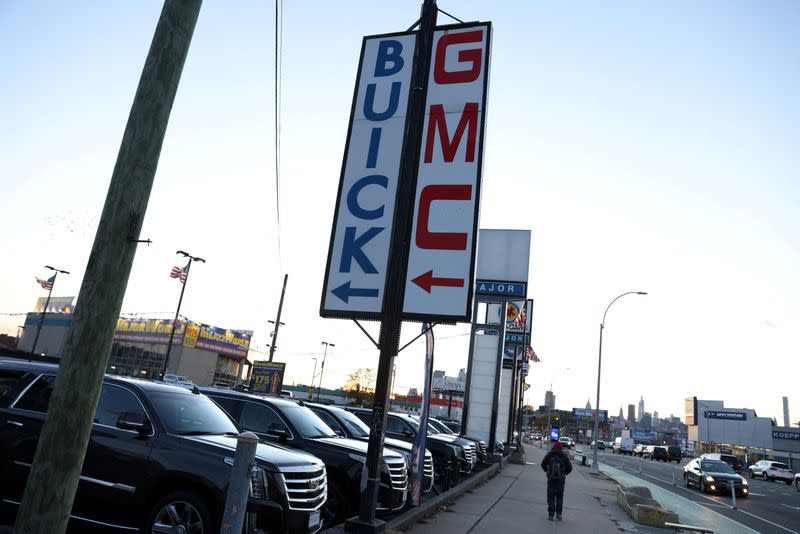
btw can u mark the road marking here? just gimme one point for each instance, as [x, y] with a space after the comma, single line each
[757, 494]
[792, 507]
[529, 463]
[770, 522]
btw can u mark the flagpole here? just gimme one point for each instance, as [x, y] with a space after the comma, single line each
[44, 309]
[41, 318]
[178, 311]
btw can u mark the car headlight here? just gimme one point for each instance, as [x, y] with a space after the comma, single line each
[259, 487]
[709, 478]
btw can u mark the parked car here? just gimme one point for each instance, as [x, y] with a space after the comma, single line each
[178, 380]
[623, 446]
[638, 450]
[674, 453]
[471, 448]
[730, 459]
[347, 425]
[159, 459]
[797, 481]
[447, 456]
[567, 442]
[714, 476]
[659, 453]
[601, 446]
[480, 450]
[288, 422]
[687, 453]
[771, 470]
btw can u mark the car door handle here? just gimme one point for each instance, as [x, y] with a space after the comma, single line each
[15, 423]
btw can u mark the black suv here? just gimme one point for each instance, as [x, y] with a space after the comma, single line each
[447, 455]
[659, 453]
[289, 422]
[480, 449]
[158, 460]
[347, 425]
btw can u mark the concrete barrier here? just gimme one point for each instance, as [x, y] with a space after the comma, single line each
[643, 509]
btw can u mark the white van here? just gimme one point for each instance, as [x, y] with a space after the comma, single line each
[623, 446]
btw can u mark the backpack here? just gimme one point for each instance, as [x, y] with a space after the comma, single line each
[555, 471]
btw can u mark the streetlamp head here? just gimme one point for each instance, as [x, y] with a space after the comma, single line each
[641, 292]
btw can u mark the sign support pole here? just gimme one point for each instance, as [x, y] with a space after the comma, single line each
[389, 339]
[175, 321]
[41, 318]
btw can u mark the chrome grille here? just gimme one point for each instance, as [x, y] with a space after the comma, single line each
[428, 466]
[306, 489]
[483, 447]
[398, 473]
[469, 454]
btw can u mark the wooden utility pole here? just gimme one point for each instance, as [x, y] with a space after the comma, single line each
[57, 464]
[277, 322]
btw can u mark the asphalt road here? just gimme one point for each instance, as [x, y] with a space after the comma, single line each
[771, 507]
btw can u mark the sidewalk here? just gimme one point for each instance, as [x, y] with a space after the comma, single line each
[515, 501]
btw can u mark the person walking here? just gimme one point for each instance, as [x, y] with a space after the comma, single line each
[557, 466]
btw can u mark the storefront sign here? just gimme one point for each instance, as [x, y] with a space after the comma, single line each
[721, 414]
[198, 335]
[785, 434]
[267, 377]
[500, 289]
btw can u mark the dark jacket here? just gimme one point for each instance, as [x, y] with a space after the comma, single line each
[557, 451]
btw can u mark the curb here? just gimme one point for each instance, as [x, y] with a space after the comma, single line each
[407, 519]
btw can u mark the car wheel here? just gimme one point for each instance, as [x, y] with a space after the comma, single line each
[333, 511]
[764, 476]
[686, 480]
[797, 484]
[750, 473]
[702, 486]
[788, 482]
[180, 511]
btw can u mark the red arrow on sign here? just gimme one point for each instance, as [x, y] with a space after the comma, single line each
[427, 280]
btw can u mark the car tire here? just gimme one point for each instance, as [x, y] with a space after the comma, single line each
[686, 480]
[333, 512]
[788, 482]
[765, 476]
[702, 486]
[750, 473]
[797, 484]
[181, 508]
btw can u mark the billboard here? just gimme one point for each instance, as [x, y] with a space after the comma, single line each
[267, 377]
[725, 414]
[587, 414]
[189, 333]
[358, 255]
[441, 252]
[56, 305]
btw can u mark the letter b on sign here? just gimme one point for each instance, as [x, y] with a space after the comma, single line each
[390, 60]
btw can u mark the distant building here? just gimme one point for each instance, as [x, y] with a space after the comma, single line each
[588, 405]
[621, 415]
[656, 420]
[647, 421]
[550, 400]
[443, 383]
[641, 408]
[413, 392]
[631, 414]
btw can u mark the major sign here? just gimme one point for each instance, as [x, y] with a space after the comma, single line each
[442, 249]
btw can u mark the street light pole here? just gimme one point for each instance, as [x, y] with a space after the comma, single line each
[178, 311]
[313, 375]
[595, 467]
[322, 367]
[44, 308]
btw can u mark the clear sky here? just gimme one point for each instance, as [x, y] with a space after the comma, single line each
[648, 146]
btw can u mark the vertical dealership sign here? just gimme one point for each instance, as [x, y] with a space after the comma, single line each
[441, 252]
[365, 206]
[441, 258]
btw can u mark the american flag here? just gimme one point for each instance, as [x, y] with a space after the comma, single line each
[519, 320]
[531, 354]
[179, 273]
[47, 284]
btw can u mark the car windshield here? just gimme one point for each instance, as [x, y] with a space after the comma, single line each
[307, 423]
[189, 414]
[432, 429]
[715, 466]
[443, 428]
[413, 422]
[354, 425]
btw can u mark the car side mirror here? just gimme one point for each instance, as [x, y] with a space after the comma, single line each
[136, 422]
[408, 432]
[278, 430]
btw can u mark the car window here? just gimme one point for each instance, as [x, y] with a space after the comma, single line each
[778, 465]
[11, 385]
[330, 421]
[258, 417]
[715, 466]
[188, 414]
[113, 401]
[395, 425]
[307, 423]
[37, 398]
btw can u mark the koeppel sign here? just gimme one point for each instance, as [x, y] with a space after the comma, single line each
[440, 274]
[785, 434]
[721, 414]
